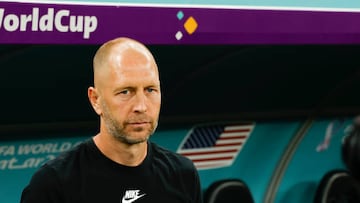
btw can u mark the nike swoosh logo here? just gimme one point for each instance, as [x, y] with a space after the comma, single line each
[125, 200]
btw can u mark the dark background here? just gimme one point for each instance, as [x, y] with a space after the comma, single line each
[44, 87]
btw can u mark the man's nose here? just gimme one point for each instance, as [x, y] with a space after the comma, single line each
[140, 103]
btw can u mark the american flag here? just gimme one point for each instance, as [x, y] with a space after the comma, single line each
[215, 145]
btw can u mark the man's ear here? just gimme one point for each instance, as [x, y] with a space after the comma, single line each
[94, 99]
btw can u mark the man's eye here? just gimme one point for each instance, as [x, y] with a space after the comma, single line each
[124, 92]
[150, 89]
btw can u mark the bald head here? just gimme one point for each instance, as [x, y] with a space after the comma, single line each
[120, 52]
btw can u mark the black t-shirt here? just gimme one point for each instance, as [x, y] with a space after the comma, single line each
[84, 174]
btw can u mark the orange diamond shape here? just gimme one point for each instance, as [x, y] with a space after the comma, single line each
[190, 25]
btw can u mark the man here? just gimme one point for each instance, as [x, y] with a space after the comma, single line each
[119, 164]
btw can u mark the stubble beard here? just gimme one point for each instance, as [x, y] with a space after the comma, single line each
[118, 130]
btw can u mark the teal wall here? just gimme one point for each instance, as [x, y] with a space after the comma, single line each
[258, 159]
[309, 164]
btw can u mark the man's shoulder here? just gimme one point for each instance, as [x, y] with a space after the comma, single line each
[166, 155]
[68, 158]
[158, 149]
[61, 173]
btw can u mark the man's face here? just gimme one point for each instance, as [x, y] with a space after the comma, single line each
[130, 97]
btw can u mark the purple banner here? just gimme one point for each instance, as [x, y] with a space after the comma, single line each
[35, 23]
